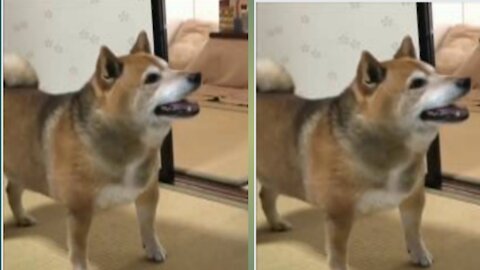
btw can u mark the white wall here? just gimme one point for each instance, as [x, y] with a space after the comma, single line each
[192, 9]
[62, 39]
[472, 13]
[208, 10]
[455, 13]
[321, 43]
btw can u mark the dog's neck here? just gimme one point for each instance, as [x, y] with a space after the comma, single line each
[115, 141]
[380, 144]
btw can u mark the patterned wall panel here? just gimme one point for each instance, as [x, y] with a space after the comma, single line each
[321, 43]
[62, 38]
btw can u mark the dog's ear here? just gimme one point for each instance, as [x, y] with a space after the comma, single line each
[141, 44]
[370, 73]
[407, 49]
[108, 69]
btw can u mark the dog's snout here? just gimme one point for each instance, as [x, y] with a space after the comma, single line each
[463, 83]
[195, 78]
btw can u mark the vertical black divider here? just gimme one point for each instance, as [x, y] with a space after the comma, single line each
[160, 48]
[433, 179]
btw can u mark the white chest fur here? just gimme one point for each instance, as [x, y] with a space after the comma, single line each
[124, 192]
[376, 200]
[116, 194]
[388, 197]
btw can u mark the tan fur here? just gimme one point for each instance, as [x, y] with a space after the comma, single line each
[277, 107]
[351, 155]
[62, 146]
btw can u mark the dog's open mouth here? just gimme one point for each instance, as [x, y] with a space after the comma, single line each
[182, 108]
[450, 114]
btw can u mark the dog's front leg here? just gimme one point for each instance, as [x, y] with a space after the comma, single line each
[338, 227]
[78, 223]
[146, 205]
[411, 213]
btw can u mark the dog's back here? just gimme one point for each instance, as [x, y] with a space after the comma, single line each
[282, 118]
[275, 130]
[27, 111]
[23, 104]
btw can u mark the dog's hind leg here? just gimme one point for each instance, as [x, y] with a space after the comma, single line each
[146, 205]
[269, 205]
[14, 194]
[411, 213]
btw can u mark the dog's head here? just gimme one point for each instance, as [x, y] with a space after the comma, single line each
[407, 93]
[141, 88]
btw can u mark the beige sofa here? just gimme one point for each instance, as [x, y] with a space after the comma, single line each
[458, 54]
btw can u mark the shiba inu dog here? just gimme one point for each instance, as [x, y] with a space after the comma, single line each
[356, 153]
[97, 147]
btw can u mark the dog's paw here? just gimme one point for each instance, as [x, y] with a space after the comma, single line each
[339, 268]
[421, 257]
[79, 267]
[156, 253]
[26, 221]
[336, 265]
[281, 226]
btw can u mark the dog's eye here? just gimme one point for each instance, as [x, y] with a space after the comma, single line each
[152, 78]
[417, 83]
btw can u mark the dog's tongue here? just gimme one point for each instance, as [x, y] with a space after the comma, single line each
[450, 113]
[181, 108]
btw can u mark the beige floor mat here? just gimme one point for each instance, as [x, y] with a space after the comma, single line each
[213, 145]
[235, 98]
[451, 231]
[197, 233]
[460, 148]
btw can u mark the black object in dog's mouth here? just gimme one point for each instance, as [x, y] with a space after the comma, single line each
[181, 108]
[450, 114]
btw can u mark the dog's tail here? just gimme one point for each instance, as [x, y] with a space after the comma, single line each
[273, 77]
[17, 72]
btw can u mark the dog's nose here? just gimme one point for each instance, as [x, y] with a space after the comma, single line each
[463, 83]
[194, 78]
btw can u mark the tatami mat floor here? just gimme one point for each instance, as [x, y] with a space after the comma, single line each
[460, 148]
[451, 229]
[213, 145]
[197, 233]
